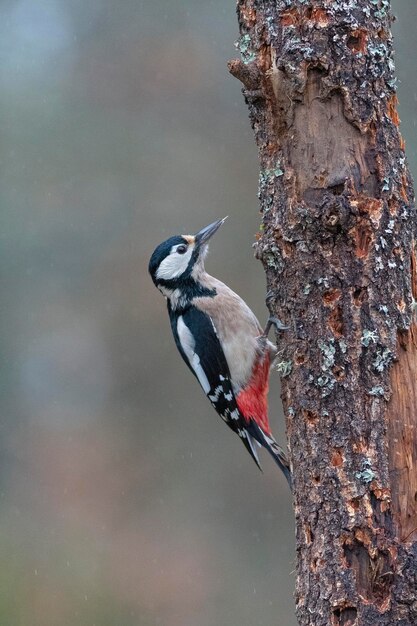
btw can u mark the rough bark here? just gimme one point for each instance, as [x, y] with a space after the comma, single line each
[337, 244]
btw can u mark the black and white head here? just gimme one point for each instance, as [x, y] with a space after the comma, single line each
[179, 261]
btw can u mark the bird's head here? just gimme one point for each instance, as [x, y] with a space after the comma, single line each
[180, 259]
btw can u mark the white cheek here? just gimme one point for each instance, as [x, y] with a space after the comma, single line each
[174, 265]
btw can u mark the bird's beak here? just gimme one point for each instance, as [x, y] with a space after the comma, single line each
[206, 233]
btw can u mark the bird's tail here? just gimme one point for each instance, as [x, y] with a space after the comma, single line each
[250, 444]
[277, 453]
[280, 459]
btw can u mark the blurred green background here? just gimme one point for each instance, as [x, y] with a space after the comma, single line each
[124, 499]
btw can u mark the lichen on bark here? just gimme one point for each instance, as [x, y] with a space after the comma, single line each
[337, 245]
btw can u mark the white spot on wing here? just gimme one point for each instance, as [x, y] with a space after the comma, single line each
[216, 395]
[188, 345]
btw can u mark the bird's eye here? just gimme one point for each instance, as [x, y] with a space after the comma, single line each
[182, 249]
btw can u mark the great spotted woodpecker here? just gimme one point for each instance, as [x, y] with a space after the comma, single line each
[220, 339]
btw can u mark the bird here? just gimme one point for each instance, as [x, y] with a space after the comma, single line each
[220, 339]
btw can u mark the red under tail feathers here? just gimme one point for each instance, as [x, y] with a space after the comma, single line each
[253, 400]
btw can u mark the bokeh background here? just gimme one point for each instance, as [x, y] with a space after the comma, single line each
[124, 501]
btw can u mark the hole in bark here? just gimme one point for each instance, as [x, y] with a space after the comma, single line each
[353, 42]
[371, 207]
[316, 479]
[339, 372]
[336, 321]
[360, 295]
[354, 504]
[345, 617]
[393, 206]
[363, 236]
[331, 221]
[300, 359]
[290, 17]
[317, 15]
[310, 416]
[382, 34]
[308, 533]
[337, 458]
[330, 296]
[357, 41]
[288, 249]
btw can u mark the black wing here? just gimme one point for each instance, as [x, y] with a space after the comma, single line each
[199, 345]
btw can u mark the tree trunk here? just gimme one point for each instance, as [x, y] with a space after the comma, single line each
[337, 244]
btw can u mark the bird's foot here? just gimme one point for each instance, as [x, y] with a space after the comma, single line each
[274, 321]
[270, 297]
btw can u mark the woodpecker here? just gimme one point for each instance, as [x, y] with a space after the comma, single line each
[220, 339]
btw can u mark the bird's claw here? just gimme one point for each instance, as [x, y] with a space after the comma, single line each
[274, 321]
[269, 297]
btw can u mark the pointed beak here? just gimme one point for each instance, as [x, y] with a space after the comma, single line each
[206, 233]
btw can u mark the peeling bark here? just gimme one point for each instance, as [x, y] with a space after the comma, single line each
[337, 244]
